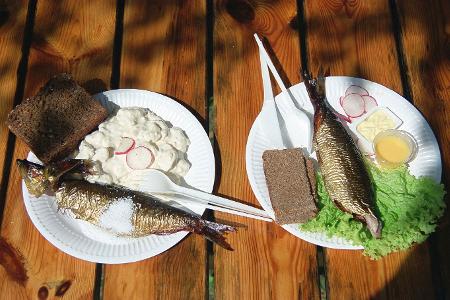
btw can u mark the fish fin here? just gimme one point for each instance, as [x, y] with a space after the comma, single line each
[214, 232]
[58, 169]
[373, 224]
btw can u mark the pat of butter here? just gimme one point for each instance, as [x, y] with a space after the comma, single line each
[378, 120]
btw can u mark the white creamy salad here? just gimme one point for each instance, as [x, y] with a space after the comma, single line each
[131, 141]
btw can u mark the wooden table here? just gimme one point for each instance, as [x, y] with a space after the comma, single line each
[202, 54]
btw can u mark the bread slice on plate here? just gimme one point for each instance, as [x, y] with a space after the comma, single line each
[291, 182]
[56, 119]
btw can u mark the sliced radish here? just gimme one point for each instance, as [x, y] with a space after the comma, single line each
[356, 89]
[125, 145]
[140, 158]
[343, 118]
[369, 103]
[353, 105]
[340, 100]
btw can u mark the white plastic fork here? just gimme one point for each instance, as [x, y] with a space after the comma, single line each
[156, 182]
[292, 116]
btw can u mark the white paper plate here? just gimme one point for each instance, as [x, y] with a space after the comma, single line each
[85, 241]
[426, 163]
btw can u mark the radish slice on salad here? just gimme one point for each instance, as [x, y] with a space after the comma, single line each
[355, 89]
[125, 145]
[140, 158]
[369, 103]
[353, 105]
[340, 100]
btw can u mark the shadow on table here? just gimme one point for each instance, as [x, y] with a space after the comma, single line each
[423, 286]
[370, 26]
[428, 21]
[248, 16]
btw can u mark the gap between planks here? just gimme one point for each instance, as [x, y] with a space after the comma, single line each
[322, 280]
[437, 278]
[405, 83]
[115, 77]
[210, 121]
[397, 30]
[20, 87]
[114, 84]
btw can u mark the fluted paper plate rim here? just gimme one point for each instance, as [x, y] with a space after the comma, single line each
[83, 240]
[427, 162]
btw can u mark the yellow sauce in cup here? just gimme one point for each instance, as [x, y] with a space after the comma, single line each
[394, 147]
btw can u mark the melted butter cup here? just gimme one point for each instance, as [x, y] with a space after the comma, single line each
[394, 148]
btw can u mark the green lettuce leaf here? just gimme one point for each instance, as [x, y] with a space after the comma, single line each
[409, 208]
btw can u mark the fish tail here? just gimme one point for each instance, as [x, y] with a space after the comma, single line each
[214, 232]
[373, 224]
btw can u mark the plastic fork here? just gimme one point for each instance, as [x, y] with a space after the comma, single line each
[156, 182]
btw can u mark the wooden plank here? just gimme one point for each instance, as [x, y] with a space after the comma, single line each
[164, 51]
[12, 26]
[426, 51]
[267, 262]
[75, 37]
[355, 39]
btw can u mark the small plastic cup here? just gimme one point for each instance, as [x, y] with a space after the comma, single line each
[402, 135]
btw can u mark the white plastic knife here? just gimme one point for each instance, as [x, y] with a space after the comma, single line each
[268, 117]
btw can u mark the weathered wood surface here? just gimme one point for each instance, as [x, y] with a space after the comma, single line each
[12, 26]
[425, 38]
[356, 39]
[267, 262]
[79, 41]
[164, 51]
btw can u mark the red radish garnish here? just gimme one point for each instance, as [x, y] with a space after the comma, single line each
[343, 118]
[369, 103]
[353, 105]
[140, 158]
[340, 100]
[355, 89]
[125, 145]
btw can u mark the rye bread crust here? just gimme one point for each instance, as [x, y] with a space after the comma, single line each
[56, 119]
[291, 183]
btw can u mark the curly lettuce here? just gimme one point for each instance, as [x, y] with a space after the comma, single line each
[409, 208]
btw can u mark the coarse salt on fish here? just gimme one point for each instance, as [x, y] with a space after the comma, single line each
[117, 218]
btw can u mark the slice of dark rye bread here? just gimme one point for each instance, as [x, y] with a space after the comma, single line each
[291, 181]
[56, 119]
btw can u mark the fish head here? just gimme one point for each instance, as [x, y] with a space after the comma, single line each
[34, 176]
[42, 179]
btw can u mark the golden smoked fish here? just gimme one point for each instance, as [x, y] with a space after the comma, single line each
[107, 206]
[340, 161]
